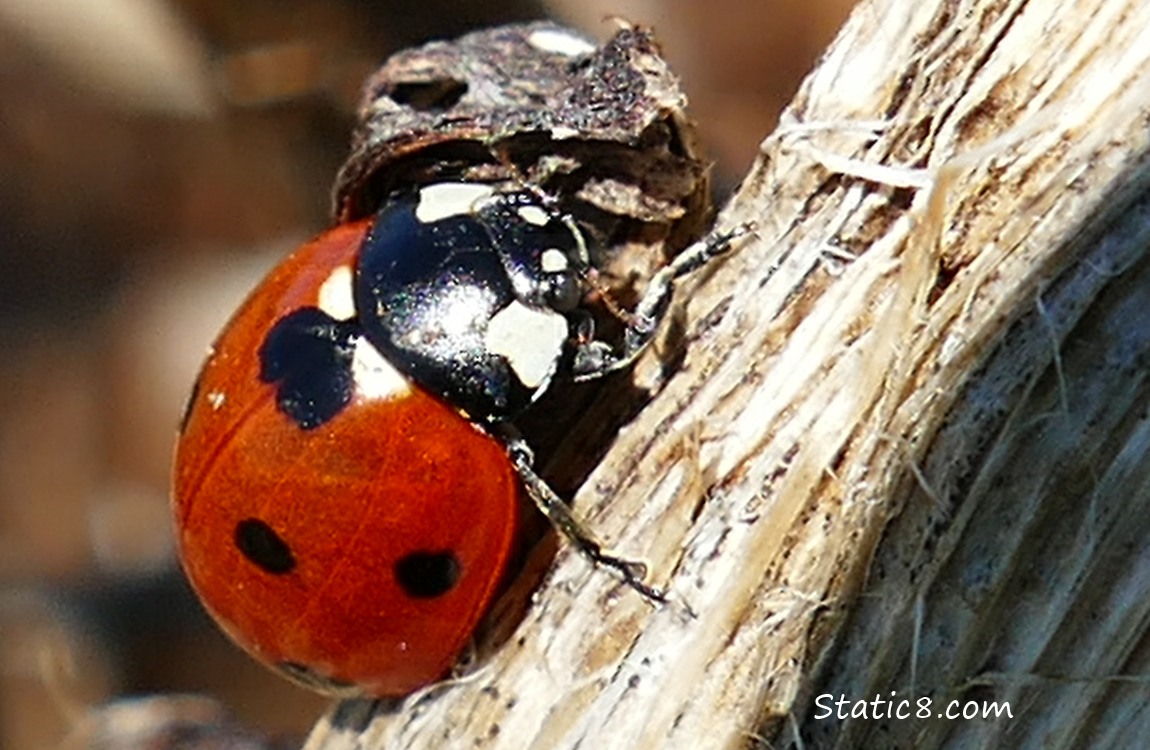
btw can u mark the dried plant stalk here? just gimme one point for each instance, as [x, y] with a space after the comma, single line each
[907, 448]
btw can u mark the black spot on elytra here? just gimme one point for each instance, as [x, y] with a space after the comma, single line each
[263, 547]
[308, 677]
[308, 354]
[426, 575]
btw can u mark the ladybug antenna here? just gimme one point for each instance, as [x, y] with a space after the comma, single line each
[573, 530]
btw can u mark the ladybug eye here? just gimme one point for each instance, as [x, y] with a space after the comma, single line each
[426, 575]
[259, 544]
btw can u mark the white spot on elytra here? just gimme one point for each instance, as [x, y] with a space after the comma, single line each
[560, 42]
[534, 215]
[553, 260]
[530, 338]
[374, 376]
[335, 294]
[216, 399]
[446, 199]
[562, 132]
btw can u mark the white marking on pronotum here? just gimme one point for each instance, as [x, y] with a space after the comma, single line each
[335, 294]
[446, 199]
[530, 338]
[553, 260]
[534, 215]
[560, 42]
[374, 376]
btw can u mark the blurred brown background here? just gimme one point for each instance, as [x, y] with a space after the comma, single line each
[155, 158]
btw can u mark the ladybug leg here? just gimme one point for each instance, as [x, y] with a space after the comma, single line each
[594, 359]
[564, 519]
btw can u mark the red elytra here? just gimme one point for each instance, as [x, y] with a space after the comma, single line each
[334, 513]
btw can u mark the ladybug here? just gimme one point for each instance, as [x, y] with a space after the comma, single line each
[347, 480]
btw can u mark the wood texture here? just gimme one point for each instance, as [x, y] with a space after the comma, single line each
[907, 448]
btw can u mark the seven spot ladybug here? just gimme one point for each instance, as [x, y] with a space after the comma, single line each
[348, 475]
